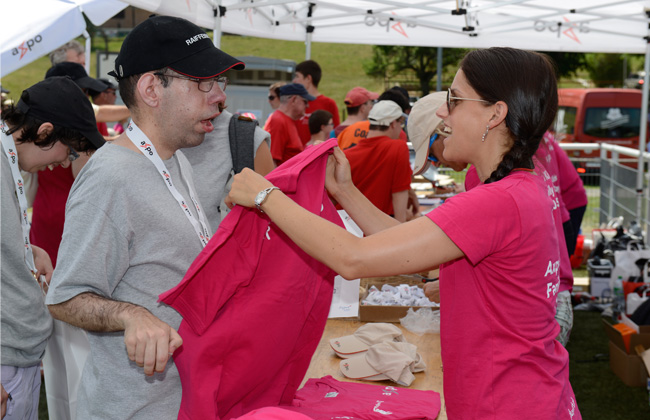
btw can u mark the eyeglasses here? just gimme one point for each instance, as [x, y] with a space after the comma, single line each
[73, 155]
[451, 101]
[431, 158]
[272, 98]
[205, 85]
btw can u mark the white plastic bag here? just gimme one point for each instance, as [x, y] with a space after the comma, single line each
[64, 360]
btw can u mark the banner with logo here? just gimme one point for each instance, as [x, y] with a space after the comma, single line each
[33, 28]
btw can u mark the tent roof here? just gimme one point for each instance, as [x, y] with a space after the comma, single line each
[549, 25]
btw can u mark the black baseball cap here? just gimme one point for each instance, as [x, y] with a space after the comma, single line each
[291, 89]
[60, 101]
[166, 41]
[77, 73]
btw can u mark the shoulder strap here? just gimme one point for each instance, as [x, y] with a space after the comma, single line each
[241, 133]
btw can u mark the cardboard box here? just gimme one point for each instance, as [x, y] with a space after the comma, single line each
[627, 365]
[376, 313]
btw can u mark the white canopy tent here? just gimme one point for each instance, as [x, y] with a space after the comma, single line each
[33, 28]
[544, 25]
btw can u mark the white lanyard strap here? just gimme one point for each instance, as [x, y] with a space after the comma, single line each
[9, 148]
[141, 141]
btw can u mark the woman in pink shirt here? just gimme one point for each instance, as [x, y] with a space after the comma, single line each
[496, 244]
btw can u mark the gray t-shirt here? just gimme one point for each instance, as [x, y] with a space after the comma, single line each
[26, 322]
[212, 164]
[126, 238]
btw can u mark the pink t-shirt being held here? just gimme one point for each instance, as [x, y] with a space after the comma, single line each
[499, 353]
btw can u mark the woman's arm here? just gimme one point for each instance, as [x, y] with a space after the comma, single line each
[406, 248]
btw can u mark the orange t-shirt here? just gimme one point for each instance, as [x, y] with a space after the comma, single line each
[352, 134]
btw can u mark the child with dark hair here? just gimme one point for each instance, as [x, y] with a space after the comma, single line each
[320, 126]
[497, 244]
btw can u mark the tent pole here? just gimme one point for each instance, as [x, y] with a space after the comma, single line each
[439, 70]
[643, 132]
[308, 47]
[88, 47]
[216, 32]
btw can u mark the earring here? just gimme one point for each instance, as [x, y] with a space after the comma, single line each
[487, 128]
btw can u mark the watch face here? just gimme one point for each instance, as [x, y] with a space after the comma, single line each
[260, 197]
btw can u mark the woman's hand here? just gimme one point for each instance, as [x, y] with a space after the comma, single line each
[339, 176]
[245, 187]
[432, 291]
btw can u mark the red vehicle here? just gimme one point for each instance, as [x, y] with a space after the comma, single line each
[598, 116]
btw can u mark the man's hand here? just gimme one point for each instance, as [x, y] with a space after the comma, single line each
[432, 291]
[43, 263]
[149, 341]
[5, 398]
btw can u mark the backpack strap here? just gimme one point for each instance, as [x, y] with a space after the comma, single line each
[241, 133]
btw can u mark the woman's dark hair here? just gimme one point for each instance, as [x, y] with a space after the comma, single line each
[30, 125]
[526, 82]
[318, 119]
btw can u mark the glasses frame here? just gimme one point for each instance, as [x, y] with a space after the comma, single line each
[73, 155]
[456, 98]
[221, 81]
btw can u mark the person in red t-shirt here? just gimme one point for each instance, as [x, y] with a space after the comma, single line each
[380, 165]
[308, 74]
[358, 102]
[285, 141]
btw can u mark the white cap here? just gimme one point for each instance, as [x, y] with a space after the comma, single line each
[384, 113]
[422, 122]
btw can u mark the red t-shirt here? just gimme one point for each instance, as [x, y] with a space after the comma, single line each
[380, 167]
[497, 304]
[285, 141]
[48, 210]
[353, 134]
[321, 102]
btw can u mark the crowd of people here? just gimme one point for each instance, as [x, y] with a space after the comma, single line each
[119, 217]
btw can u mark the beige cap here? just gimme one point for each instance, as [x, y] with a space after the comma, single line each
[385, 112]
[385, 361]
[364, 337]
[422, 122]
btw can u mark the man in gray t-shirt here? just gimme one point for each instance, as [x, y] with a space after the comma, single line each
[51, 125]
[134, 223]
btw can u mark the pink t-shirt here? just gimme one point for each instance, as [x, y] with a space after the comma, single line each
[326, 399]
[500, 357]
[571, 186]
[546, 156]
[566, 273]
[254, 305]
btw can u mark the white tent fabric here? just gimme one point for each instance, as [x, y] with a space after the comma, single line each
[33, 28]
[549, 25]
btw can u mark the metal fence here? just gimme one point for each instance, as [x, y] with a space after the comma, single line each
[610, 182]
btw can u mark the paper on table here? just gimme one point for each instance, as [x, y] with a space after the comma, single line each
[345, 301]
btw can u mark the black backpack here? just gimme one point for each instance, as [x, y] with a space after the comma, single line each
[241, 133]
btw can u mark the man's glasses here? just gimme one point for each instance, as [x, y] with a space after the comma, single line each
[73, 155]
[205, 85]
[430, 157]
[451, 101]
[272, 98]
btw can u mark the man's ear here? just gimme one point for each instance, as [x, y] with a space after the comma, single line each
[44, 130]
[146, 89]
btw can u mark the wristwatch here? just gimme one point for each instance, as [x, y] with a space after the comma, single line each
[262, 196]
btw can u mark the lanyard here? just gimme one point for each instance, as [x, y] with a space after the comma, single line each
[141, 141]
[9, 148]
